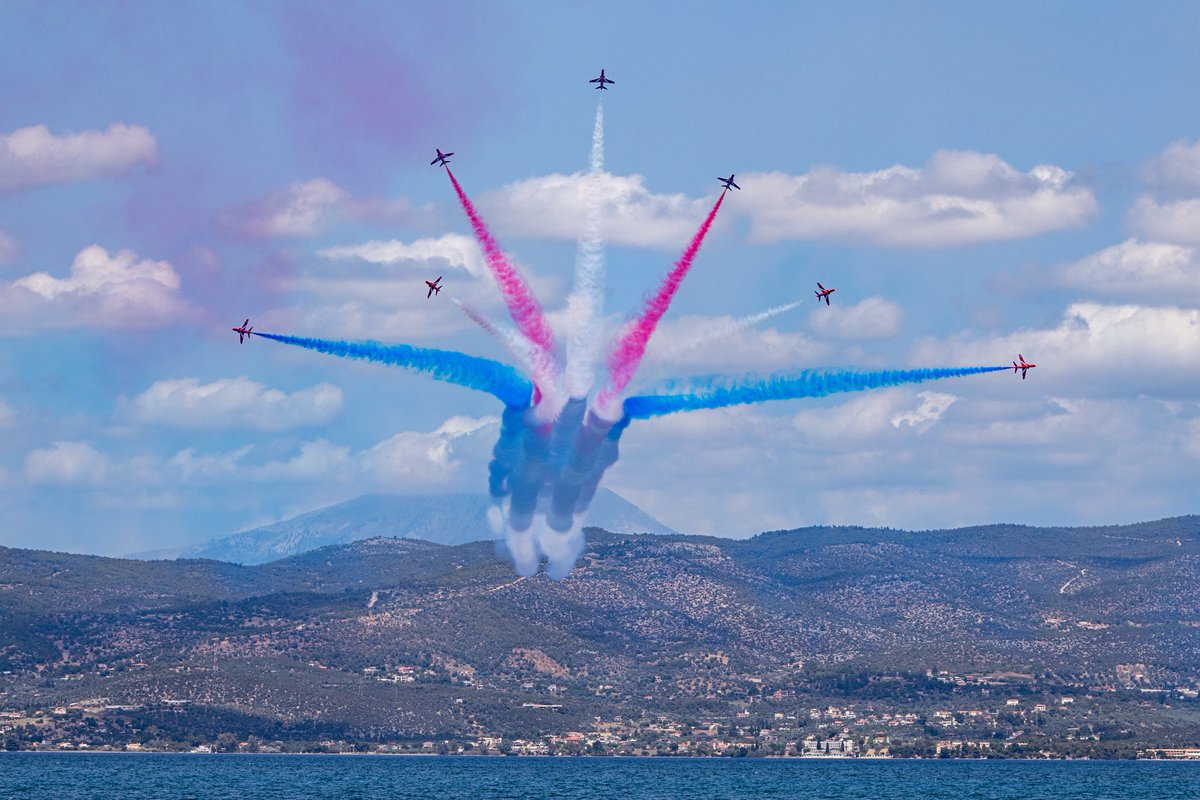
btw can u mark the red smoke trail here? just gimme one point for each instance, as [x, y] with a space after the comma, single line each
[627, 354]
[524, 308]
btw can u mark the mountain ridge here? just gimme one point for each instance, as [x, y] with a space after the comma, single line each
[449, 519]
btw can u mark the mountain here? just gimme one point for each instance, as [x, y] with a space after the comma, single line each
[448, 519]
[386, 639]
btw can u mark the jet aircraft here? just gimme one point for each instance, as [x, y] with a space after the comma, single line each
[244, 331]
[823, 293]
[729, 184]
[442, 159]
[601, 80]
[434, 287]
[1023, 366]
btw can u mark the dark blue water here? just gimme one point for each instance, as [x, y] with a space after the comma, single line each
[158, 776]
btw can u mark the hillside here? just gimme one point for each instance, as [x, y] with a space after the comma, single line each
[679, 626]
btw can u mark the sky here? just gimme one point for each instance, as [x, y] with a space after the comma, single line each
[976, 180]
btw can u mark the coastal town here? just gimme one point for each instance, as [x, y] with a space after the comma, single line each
[1025, 723]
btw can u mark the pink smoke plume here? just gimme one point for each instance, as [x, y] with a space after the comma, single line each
[626, 355]
[525, 310]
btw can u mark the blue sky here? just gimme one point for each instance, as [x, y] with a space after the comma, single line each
[975, 180]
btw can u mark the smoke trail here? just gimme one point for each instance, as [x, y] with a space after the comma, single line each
[625, 357]
[720, 392]
[504, 453]
[483, 374]
[725, 330]
[516, 344]
[585, 306]
[528, 477]
[522, 305]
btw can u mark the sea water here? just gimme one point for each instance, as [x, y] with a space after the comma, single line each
[154, 776]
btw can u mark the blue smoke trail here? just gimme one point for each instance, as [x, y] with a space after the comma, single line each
[718, 392]
[483, 374]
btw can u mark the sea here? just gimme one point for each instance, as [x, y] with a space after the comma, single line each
[156, 776]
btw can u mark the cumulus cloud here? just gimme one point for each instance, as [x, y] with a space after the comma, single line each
[958, 198]
[409, 461]
[306, 208]
[1138, 270]
[1170, 210]
[302, 209]
[66, 464]
[870, 318]
[554, 207]
[34, 156]
[421, 458]
[1166, 220]
[933, 406]
[387, 301]
[914, 460]
[1176, 171]
[8, 248]
[1095, 350]
[454, 251]
[234, 403]
[317, 460]
[104, 290]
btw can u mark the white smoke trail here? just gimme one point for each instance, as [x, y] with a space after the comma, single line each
[535, 361]
[523, 548]
[723, 330]
[516, 344]
[561, 550]
[585, 306]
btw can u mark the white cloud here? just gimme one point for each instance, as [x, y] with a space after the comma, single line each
[1170, 210]
[7, 415]
[306, 208]
[34, 156]
[933, 406]
[454, 251]
[408, 461]
[1096, 350]
[554, 206]
[1136, 270]
[1169, 221]
[1176, 170]
[317, 461]
[420, 459]
[870, 318]
[8, 248]
[915, 460]
[959, 197]
[302, 209]
[66, 464]
[234, 403]
[103, 291]
[388, 301]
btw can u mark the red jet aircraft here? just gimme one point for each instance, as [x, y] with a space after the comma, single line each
[441, 159]
[602, 80]
[729, 184]
[434, 287]
[1024, 367]
[823, 293]
[243, 331]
